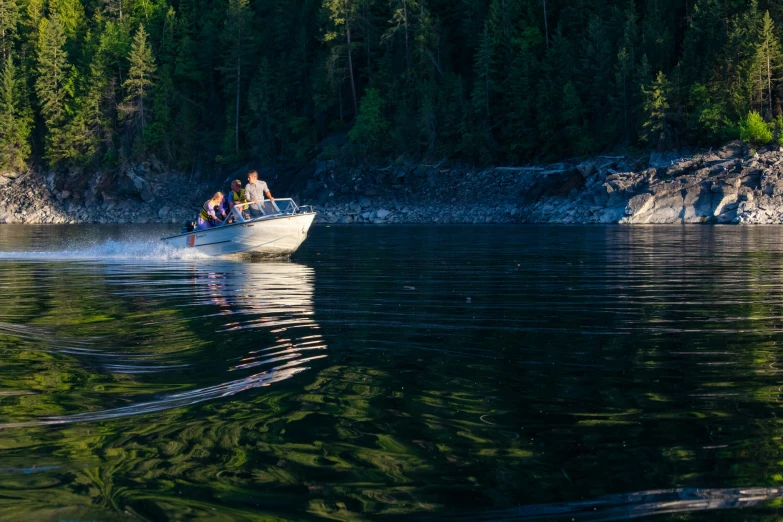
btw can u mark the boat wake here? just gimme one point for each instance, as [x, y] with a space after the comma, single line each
[109, 250]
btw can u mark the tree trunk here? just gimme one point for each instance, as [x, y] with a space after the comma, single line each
[546, 27]
[350, 69]
[405, 16]
[769, 83]
[340, 97]
[236, 123]
[625, 105]
[367, 40]
[486, 82]
[141, 107]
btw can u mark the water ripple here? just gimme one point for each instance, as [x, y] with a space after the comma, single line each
[216, 313]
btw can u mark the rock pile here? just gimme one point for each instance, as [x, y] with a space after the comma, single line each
[141, 193]
[731, 185]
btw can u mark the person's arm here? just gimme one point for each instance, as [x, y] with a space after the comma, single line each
[269, 195]
[212, 212]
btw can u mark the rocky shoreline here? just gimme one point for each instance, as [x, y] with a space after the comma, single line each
[733, 184]
[144, 193]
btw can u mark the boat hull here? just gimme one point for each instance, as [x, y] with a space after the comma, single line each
[269, 236]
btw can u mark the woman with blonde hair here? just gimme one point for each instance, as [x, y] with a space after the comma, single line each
[208, 217]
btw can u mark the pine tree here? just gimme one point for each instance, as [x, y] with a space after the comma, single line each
[597, 81]
[768, 61]
[519, 127]
[343, 14]
[506, 80]
[70, 13]
[625, 70]
[656, 106]
[557, 69]
[260, 102]
[657, 39]
[15, 120]
[573, 114]
[139, 84]
[236, 38]
[52, 86]
[84, 134]
[709, 118]
[483, 75]
[9, 15]
[452, 113]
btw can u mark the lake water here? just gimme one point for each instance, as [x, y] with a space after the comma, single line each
[476, 373]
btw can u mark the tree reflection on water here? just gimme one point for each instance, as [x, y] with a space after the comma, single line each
[581, 381]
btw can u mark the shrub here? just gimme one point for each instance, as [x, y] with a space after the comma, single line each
[370, 129]
[755, 130]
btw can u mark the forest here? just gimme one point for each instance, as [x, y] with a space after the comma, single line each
[94, 83]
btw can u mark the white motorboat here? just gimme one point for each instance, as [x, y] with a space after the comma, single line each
[279, 231]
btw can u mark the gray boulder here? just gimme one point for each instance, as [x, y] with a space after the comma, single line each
[639, 204]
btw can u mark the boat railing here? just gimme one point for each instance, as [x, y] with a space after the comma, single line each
[280, 206]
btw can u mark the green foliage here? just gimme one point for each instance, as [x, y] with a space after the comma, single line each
[578, 135]
[755, 130]
[370, 129]
[15, 120]
[236, 39]
[474, 80]
[777, 129]
[656, 108]
[141, 76]
[52, 85]
[710, 120]
[767, 63]
[9, 17]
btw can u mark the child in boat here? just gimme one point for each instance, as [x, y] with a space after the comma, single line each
[210, 215]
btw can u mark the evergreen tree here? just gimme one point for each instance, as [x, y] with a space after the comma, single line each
[483, 74]
[70, 13]
[370, 128]
[578, 136]
[138, 85]
[483, 80]
[656, 107]
[15, 120]
[9, 16]
[710, 122]
[519, 127]
[768, 61]
[54, 84]
[343, 14]
[84, 134]
[597, 82]
[236, 39]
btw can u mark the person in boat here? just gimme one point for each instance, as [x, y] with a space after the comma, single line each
[224, 209]
[237, 197]
[211, 215]
[254, 193]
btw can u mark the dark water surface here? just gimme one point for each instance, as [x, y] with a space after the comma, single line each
[477, 373]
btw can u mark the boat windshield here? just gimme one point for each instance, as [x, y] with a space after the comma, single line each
[268, 208]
